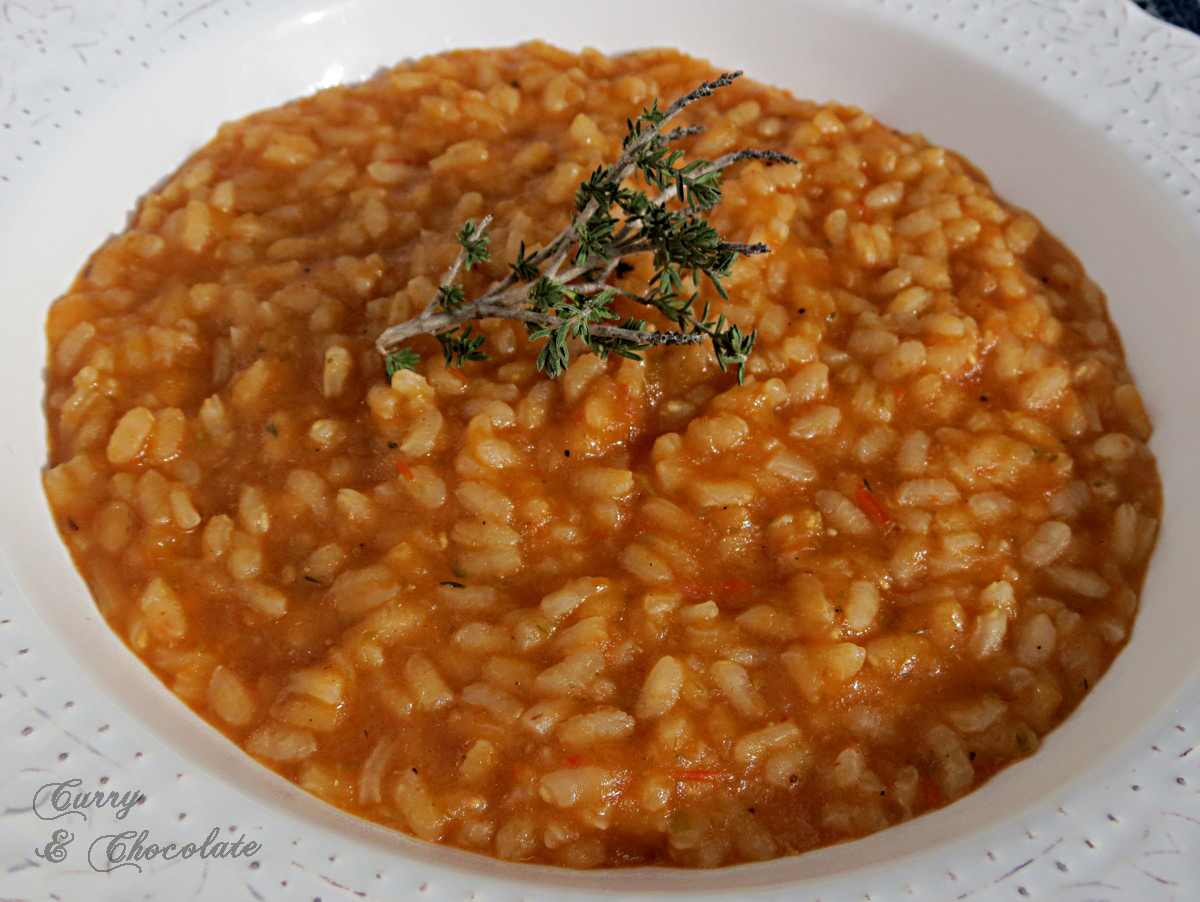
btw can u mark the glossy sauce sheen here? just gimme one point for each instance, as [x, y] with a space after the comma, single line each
[639, 614]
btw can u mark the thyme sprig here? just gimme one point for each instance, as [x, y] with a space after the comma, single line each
[561, 292]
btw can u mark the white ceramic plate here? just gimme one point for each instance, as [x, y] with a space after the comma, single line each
[1087, 113]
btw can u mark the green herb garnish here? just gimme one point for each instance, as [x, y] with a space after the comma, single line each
[561, 292]
[400, 359]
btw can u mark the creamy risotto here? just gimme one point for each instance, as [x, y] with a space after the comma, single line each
[639, 613]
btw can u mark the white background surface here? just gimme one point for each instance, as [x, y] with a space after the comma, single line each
[1130, 832]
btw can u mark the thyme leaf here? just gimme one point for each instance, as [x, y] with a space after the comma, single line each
[400, 359]
[561, 292]
[474, 245]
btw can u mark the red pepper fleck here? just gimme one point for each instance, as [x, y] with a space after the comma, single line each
[873, 509]
[404, 470]
[695, 775]
[984, 769]
[728, 587]
[931, 796]
[572, 760]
